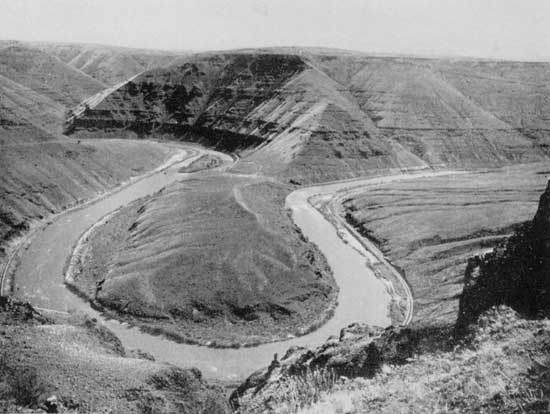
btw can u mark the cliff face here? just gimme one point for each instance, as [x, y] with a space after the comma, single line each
[316, 116]
[212, 97]
[516, 273]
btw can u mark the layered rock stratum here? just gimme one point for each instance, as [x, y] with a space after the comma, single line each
[317, 115]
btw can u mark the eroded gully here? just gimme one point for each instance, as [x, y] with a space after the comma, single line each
[362, 297]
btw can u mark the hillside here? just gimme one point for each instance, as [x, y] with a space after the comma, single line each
[42, 84]
[41, 171]
[86, 368]
[317, 116]
[108, 64]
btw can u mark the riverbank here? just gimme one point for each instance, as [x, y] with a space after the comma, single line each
[14, 247]
[362, 296]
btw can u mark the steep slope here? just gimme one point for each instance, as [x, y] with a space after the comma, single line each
[516, 273]
[39, 87]
[108, 64]
[501, 366]
[312, 115]
[46, 75]
[85, 367]
[39, 179]
[41, 171]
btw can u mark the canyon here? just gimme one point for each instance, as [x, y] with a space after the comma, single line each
[216, 208]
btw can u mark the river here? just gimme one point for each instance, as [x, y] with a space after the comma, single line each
[362, 298]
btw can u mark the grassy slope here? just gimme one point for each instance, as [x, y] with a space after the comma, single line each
[108, 64]
[87, 369]
[430, 227]
[38, 78]
[217, 258]
[44, 178]
[42, 172]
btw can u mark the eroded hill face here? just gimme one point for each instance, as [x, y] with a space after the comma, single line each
[447, 220]
[317, 116]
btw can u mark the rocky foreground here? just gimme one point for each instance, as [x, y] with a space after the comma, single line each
[77, 366]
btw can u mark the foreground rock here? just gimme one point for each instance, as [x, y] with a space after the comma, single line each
[516, 273]
[500, 366]
[85, 368]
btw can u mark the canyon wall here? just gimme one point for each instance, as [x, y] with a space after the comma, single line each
[315, 116]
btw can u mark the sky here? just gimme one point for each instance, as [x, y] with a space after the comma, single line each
[501, 29]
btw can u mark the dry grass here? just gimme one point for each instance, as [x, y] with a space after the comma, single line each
[501, 368]
[43, 178]
[84, 366]
[294, 393]
[447, 220]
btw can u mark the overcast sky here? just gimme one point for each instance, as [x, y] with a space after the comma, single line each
[512, 29]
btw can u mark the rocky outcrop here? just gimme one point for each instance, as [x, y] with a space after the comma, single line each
[209, 99]
[359, 351]
[516, 273]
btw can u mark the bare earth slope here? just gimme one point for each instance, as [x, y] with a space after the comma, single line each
[42, 172]
[213, 260]
[315, 116]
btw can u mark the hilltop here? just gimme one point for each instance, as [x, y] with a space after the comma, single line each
[108, 64]
[212, 260]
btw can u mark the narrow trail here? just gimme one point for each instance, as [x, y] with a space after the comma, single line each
[363, 297]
